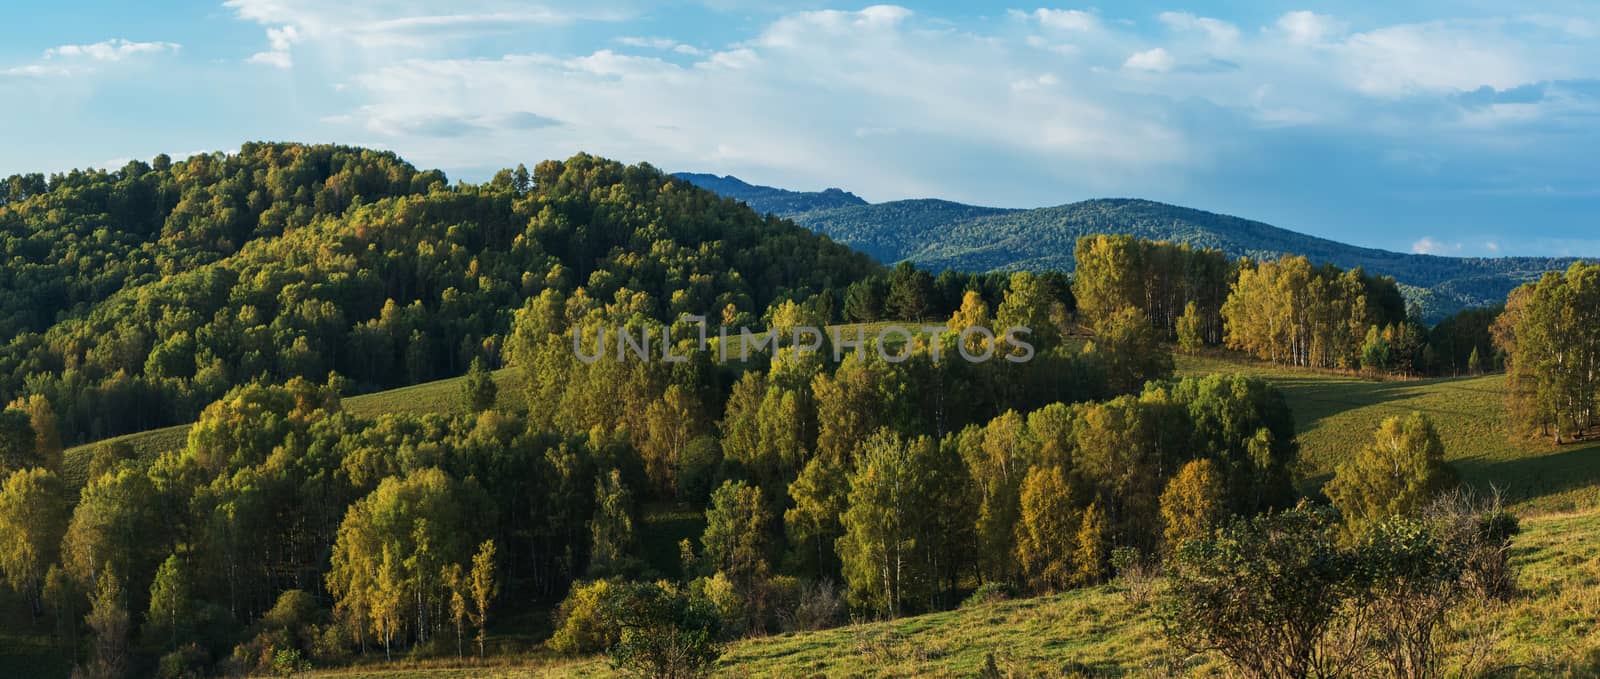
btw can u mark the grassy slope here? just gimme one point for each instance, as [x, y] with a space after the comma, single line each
[440, 396]
[1337, 414]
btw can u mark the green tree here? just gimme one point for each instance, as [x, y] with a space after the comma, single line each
[611, 541]
[46, 431]
[170, 599]
[456, 583]
[479, 388]
[33, 517]
[108, 620]
[910, 293]
[387, 601]
[820, 495]
[1550, 335]
[1375, 351]
[1028, 304]
[863, 300]
[385, 567]
[672, 423]
[114, 527]
[18, 444]
[883, 522]
[1131, 351]
[736, 539]
[1190, 329]
[484, 587]
[1396, 475]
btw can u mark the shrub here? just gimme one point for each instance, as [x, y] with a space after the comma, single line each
[582, 624]
[1278, 596]
[990, 592]
[665, 632]
[819, 607]
[1263, 593]
[188, 662]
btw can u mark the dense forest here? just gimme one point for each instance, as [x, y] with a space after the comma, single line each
[138, 296]
[252, 292]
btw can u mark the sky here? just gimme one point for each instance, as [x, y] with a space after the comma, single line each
[1455, 128]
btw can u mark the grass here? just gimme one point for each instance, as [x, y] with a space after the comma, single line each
[439, 396]
[1336, 415]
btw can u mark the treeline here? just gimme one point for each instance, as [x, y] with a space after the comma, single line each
[1550, 334]
[907, 293]
[1287, 311]
[159, 287]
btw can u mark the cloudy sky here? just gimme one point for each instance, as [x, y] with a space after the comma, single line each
[1466, 128]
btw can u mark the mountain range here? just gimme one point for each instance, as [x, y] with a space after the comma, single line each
[941, 234]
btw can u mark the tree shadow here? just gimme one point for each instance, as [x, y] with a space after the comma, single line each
[1317, 398]
[1568, 468]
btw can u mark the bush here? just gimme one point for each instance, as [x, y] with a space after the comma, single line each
[582, 623]
[188, 662]
[665, 632]
[819, 607]
[1278, 596]
[1263, 593]
[288, 662]
[990, 592]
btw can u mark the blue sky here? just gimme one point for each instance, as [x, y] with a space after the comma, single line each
[1454, 128]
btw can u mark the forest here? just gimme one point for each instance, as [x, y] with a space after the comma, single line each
[252, 293]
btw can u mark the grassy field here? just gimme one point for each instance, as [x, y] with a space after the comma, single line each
[1337, 414]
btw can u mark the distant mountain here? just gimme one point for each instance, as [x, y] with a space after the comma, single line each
[766, 199]
[940, 234]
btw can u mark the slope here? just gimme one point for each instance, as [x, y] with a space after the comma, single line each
[766, 199]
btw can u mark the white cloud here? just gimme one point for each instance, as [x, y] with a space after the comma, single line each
[278, 59]
[1428, 245]
[1218, 31]
[1066, 19]
[1156, 59]
[70, 60]
[393, 24]
[1091, 102]
[662, 44]
[115, 49]
[1309, 28]
[828, 93]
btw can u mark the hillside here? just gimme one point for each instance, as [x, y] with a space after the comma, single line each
[945, 235]
[766, 199]
[132, 298]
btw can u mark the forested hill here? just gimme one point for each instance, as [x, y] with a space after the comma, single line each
[129, 299]
[765, 199]
[945, 235]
